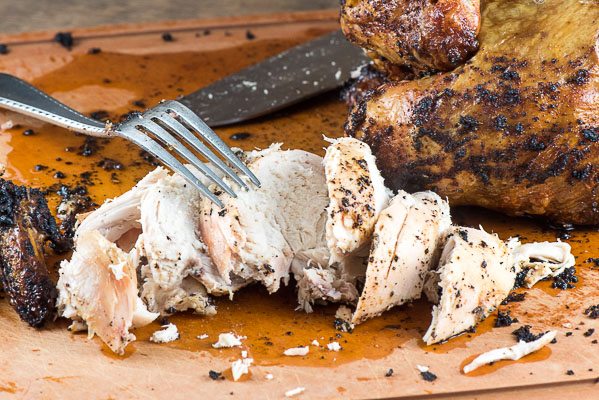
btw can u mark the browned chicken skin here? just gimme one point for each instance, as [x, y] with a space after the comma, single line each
[408, 37]
[516, 129]
[25, 225]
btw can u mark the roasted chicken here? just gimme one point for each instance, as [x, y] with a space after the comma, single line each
[515, 129]
[413, 37]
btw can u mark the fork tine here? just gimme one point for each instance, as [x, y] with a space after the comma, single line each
[184, 152]
[159, 152]
[189, 138]
[200, 126]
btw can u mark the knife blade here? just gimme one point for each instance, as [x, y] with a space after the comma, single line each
[304, 71]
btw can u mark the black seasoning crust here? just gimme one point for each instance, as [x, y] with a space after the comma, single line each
[515, 129]
[525, 335]
[423, 36]
[25, 224]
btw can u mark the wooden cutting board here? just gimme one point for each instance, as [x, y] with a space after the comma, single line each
[135, 69]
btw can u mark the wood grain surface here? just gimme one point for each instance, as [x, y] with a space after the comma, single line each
[57, 15]
[53, 363]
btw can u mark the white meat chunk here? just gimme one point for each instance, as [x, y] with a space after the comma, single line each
[170, 242]
[541, 260]
[475, 274]
[514, 352]
[406, 242]
[317, 284]
[99, 286]
[120, 215]
[189, 294]
[264, 231]
[357, 195]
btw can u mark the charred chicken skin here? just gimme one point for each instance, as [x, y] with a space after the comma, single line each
[25, 225]
[407, 37]
[516, 129]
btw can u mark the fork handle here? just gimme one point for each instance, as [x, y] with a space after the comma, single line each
[19, 96]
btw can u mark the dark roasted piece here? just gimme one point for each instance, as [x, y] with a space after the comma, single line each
[357, 89]
[25, 225]
[413, 36]
[516, 129]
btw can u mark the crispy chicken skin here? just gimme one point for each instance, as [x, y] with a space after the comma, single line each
[413, 36]
[25, 225]
[516, 129]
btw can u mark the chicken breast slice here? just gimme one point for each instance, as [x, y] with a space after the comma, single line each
[264, 231]
[475, 273]
[117, 216]
[99, 286]
[541, 259]
[405, 245]
[357, 195]
[170, 240]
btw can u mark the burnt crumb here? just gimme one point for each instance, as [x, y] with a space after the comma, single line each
[524, 334]
[148, 158]
[428, 376]
[519, 128]
[240, 136]
[39, 167]
[589, 332]
[139, 103]
[504, 319]
[65, 39]
[59, 175]
[389, 372]
[468, 124]
[289, 333]
[581, 77]
[214, 375]
[3, 48]
[249, 35]
[463, 234]
[94, 50]
[591, 134]
[28, 132]
[167, 37]
[100, 115]
[568, 334]
[514, 298]
[592, 311]
[566, 279]
[342, 325]
[569, 372]
[593, 261]
[89, 147]
[520, 277]
[108, 164]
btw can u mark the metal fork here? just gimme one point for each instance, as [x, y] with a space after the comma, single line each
[170, 122]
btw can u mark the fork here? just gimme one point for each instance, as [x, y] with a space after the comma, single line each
[170, 122]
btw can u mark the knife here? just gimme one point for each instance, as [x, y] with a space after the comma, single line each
[304, 71]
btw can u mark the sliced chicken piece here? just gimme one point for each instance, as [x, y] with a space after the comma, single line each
[541, 260]
[189, 294]
[170, 238]
[357, 195]
[406, 240]
[476, 272]
[262, 232]
[317, 284]
[99, 286]
[118, 216]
